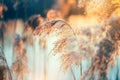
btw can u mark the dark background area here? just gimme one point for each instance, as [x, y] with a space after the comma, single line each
[25, 8]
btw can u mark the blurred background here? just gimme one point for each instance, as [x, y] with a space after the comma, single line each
[92, 24]
[25, 8]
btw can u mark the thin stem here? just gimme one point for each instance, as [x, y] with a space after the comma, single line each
[73, 74]
[3, 55]
[81, 68]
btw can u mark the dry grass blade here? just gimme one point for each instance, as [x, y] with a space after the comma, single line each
[69, 59]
